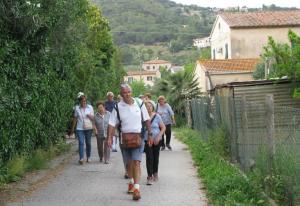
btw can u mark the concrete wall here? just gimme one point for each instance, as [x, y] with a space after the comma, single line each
[220, 36]
[201, 78]
[249, 43]
[218, 79]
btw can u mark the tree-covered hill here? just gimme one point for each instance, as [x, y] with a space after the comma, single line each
[152, 21]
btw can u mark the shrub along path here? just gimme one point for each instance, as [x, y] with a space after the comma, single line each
[98, 184]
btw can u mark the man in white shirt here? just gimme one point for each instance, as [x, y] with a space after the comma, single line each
[131, 113]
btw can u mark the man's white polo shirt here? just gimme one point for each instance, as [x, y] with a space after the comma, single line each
[130, 115]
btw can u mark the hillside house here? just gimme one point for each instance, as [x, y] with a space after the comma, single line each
[201, 42]
[243, 34]
[216, 72]
[148, 77]
[154, 65]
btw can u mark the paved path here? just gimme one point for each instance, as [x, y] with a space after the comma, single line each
[98, 184]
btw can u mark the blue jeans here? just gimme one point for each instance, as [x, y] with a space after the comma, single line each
[84, 136]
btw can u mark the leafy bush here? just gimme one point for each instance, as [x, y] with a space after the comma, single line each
[48, 52]
[224, 183]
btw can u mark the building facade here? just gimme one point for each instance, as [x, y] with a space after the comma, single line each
[244, 34]
[148, 77]
[154, 65]
[210, 73]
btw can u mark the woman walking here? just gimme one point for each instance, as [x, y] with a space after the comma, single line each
[167, 115]
[101, 123]
[84, 117]
[152, 152]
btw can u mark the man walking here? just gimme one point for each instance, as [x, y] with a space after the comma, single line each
[129, 114]
[109, 106]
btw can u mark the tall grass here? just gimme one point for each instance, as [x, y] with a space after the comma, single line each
[224, 183]
[18, 165]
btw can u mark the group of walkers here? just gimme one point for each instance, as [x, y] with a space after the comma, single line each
[137, 123]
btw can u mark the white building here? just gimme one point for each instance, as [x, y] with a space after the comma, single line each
[201, 42]
[154, 65]
[244, 34]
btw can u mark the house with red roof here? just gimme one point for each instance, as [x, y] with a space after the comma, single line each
[154, 65]
[210, 73]
[244, 34]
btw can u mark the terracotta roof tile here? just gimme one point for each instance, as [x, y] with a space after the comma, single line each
[229, 65]
[262, 18]
[157, 61]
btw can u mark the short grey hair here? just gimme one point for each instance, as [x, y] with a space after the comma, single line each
[125, 86]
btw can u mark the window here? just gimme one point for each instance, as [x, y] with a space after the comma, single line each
[149, 78]
[153, 67]
[148, 67]
[130, 79]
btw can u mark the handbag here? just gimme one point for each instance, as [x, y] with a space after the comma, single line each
[131, 140]
[87, 124]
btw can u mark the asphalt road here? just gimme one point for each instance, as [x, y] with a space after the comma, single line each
[96, 183]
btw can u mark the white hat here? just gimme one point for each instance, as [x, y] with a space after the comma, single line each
[80, 94]
[110, 94]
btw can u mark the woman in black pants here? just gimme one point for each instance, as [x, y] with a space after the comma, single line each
[167, 115]
[152, 152]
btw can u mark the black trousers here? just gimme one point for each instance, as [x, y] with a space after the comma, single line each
[152, 159]
[168, 136]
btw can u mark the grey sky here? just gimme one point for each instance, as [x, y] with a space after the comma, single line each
[248, 3]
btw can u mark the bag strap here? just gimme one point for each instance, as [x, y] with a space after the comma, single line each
[140, 105]
[153, 118]
[118, 116]
[156, 109]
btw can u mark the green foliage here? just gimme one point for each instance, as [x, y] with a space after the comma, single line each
[205, 53]
[284, 58]
[177, 88]
[225, 185]
[259, 72]
[281, 183]
[138, 88]
[16, 167]
[38, 160]
[218, 139]
[48, 52]
[149, 22]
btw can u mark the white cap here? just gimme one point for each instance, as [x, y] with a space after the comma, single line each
[110, 94]
[80, 94]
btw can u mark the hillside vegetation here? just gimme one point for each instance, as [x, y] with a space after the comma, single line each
[152, 21]
[149, 29]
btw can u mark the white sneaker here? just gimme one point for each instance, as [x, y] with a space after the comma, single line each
[149, 181]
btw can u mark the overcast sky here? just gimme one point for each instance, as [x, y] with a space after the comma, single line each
[248, 3]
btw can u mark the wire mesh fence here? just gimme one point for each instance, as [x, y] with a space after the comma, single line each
[262, 135]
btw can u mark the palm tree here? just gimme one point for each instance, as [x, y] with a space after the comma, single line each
[178, 88]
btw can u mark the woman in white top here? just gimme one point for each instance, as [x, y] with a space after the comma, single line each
[84, 116]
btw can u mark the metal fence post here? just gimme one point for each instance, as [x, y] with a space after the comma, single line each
[270, 130]
[188, 113]
[233, 132]
[244, 131]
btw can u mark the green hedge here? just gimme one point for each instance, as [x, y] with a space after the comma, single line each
[49, 51]
[225, 185]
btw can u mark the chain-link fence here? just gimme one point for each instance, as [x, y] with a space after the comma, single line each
[262, 136]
